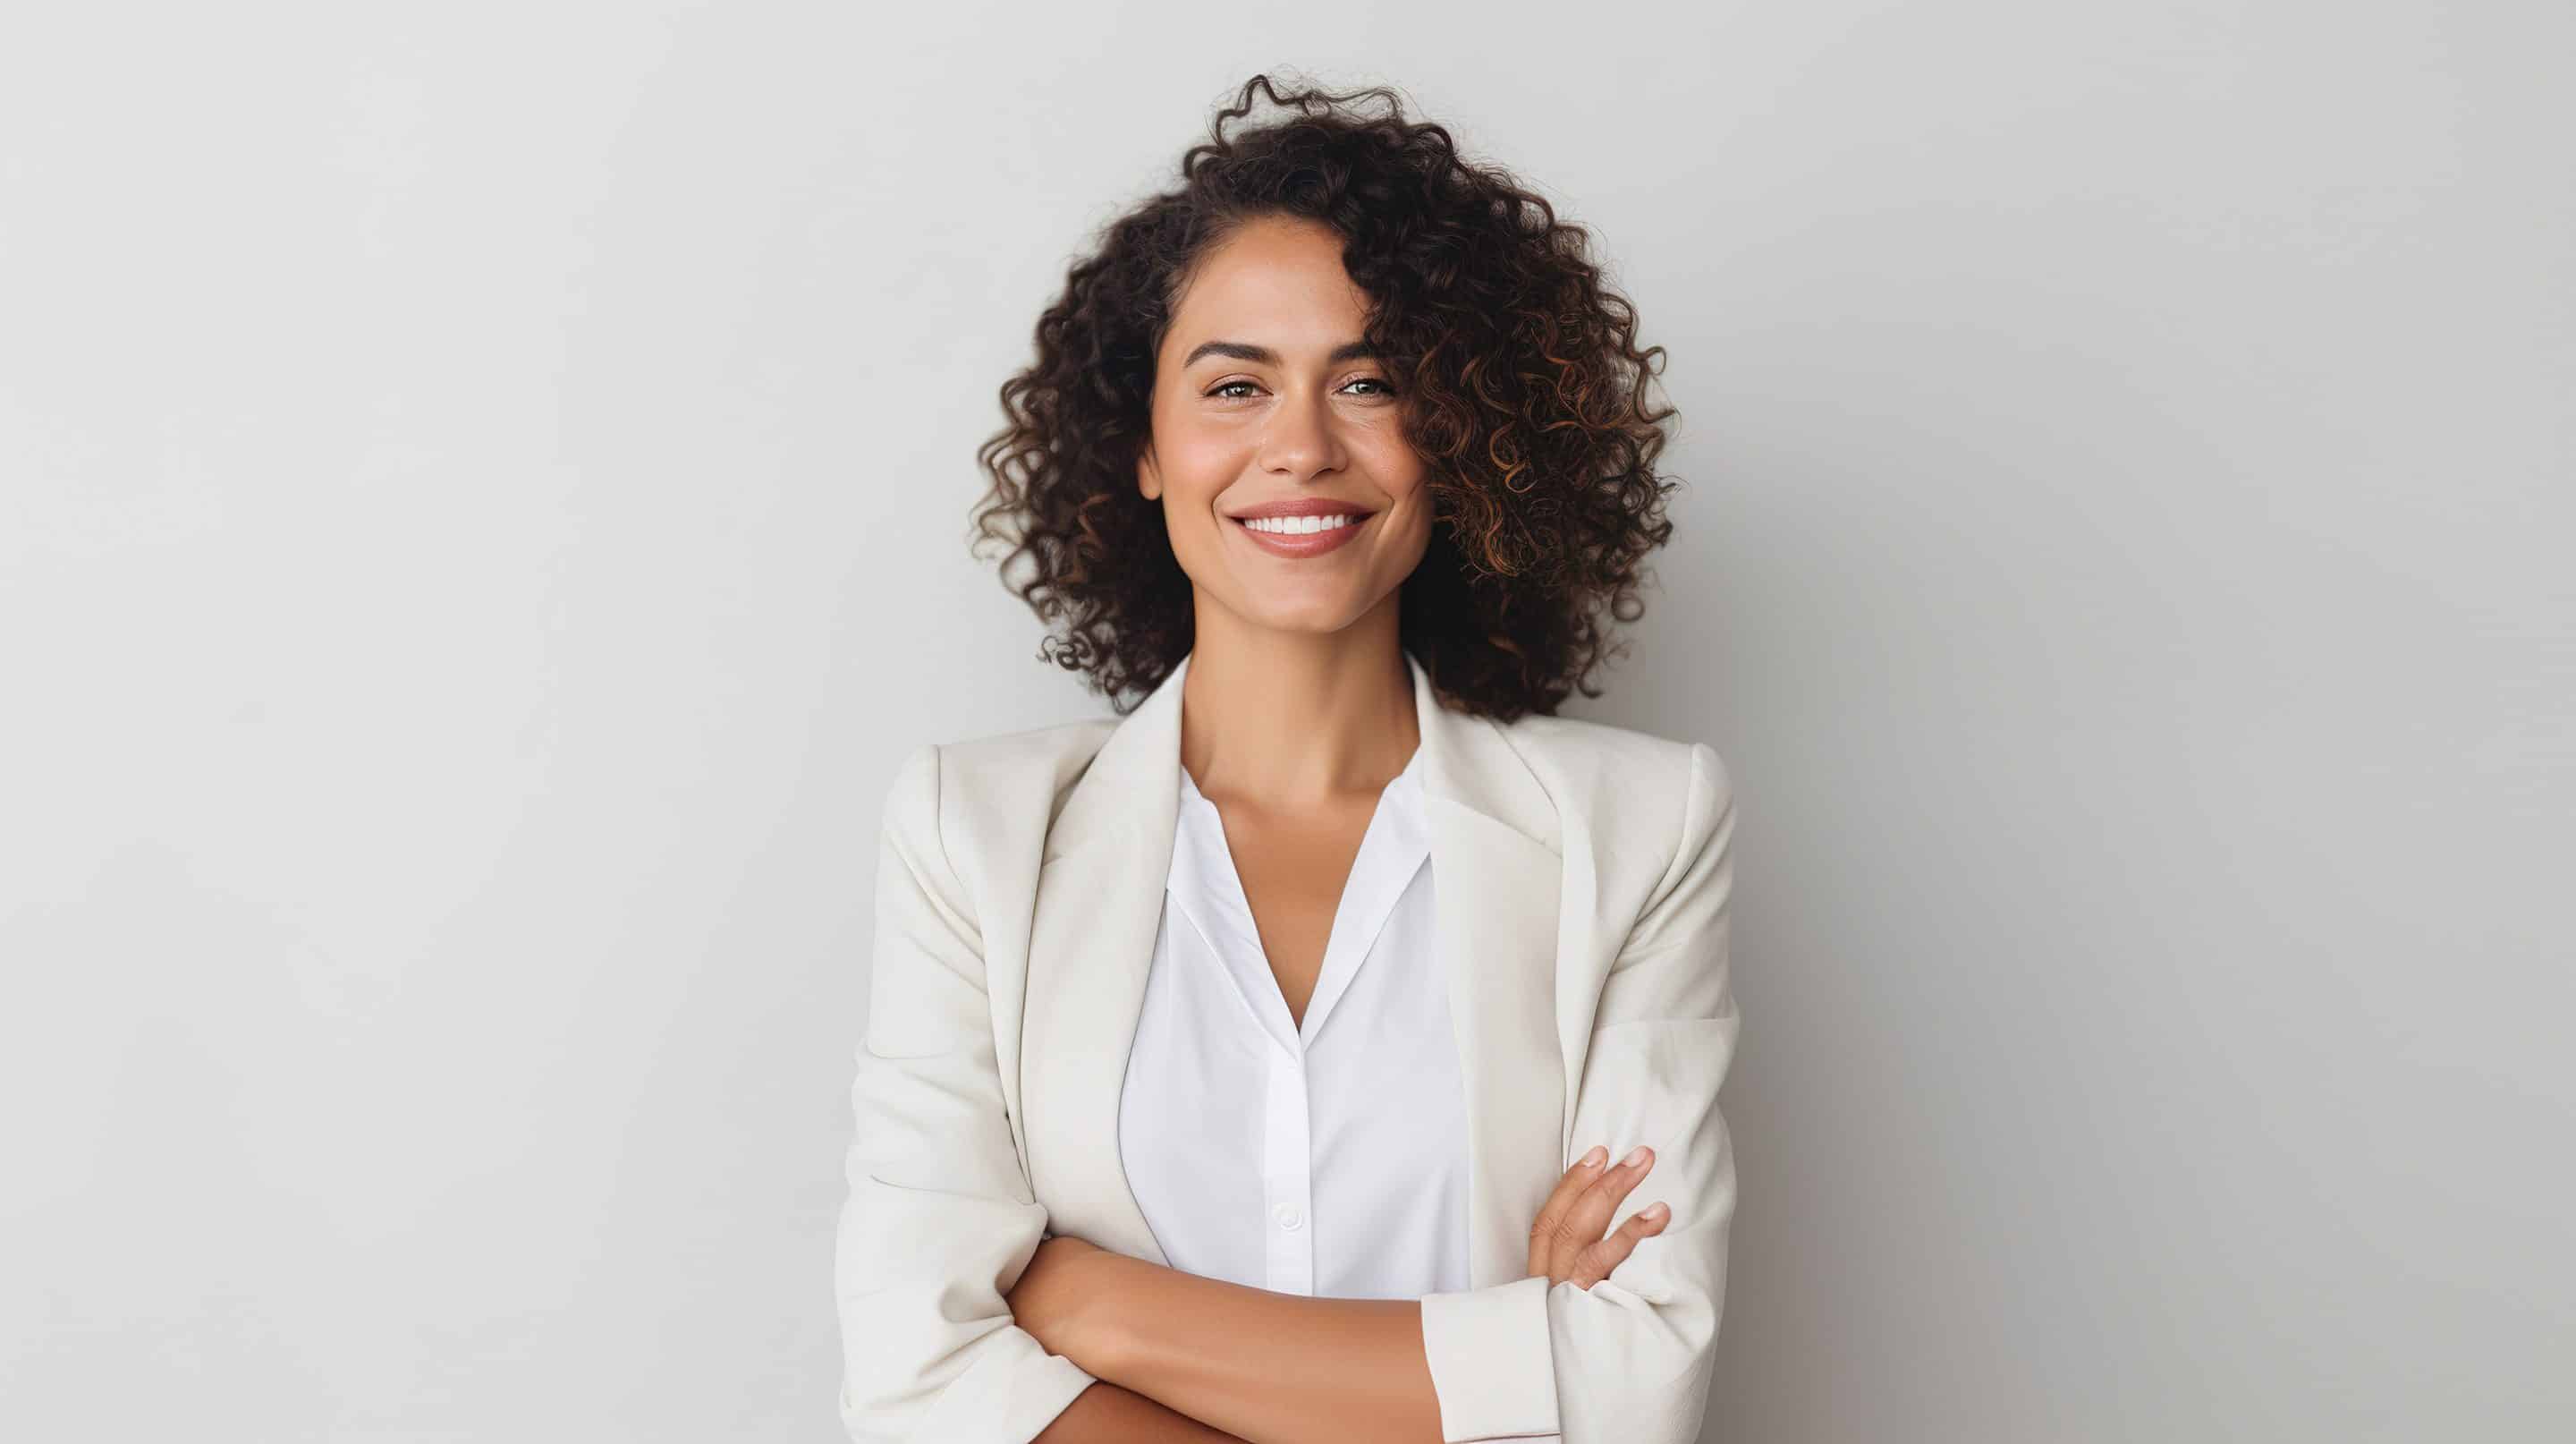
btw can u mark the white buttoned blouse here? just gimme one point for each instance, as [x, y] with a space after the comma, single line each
[1327, 1157]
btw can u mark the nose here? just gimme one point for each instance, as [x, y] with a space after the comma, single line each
[1299, 440]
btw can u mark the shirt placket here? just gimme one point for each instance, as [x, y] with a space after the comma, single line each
[1390, 851]
[1286, 1179]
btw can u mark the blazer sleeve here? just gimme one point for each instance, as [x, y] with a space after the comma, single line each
[1627, 1361]
[940, 1220]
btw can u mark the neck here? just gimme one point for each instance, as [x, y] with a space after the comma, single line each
[1296, 720]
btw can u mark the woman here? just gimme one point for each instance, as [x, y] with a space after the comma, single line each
[1273, 1062]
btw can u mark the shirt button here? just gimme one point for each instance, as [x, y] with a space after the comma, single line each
[1290, 1216]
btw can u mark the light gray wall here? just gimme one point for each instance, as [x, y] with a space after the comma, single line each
[481, 507]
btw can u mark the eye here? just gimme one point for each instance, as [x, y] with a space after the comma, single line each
[1228, 390]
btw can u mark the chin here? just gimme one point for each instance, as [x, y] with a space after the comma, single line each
[1315, 620]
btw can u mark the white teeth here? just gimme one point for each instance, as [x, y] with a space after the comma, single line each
[1295, 525]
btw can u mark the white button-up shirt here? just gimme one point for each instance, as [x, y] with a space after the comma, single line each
[1324, 1157]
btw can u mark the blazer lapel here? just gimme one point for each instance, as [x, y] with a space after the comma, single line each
[1497, 879]
[1101, 878]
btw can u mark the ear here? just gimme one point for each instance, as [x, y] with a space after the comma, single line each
[1149, 477]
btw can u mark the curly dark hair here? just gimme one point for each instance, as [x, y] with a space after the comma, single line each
[1519, 381]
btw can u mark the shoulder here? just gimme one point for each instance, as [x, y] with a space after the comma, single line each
[1647, 802]
[1010, 752]
[941, 785]
[1597, 756]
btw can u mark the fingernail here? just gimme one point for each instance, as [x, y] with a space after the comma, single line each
[1598, 1156]
[1636, 1155]
[1656, 1211]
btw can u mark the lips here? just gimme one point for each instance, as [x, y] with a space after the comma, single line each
[1306, 544]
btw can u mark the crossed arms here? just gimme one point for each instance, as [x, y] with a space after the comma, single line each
[940, 1226]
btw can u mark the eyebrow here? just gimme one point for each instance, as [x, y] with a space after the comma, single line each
[1240, 351]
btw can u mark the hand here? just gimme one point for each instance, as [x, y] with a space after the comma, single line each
[1053, 1301]
[1566, 1243]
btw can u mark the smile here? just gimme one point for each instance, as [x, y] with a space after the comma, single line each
[1301, 536]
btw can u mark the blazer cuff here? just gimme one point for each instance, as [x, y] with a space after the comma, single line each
[1008, 1396]
[1492, 1364]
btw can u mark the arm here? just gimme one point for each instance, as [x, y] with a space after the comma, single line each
[1108, 1414]
[1631, 1356]
[1275, 1368]
[940, 1218]
[1215, 1348]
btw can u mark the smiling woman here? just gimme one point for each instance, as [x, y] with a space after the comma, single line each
[1339, 288]
[1277, 1062]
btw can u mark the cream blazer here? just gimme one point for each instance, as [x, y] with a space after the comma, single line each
[1583, 879]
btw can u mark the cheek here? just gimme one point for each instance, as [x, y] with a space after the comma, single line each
[1199, 461]
[1391, 458]
[1405, 478]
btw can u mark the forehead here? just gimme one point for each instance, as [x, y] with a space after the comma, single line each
[1275, 283]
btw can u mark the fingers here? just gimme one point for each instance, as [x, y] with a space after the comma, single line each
[1595, 1261]
[1589, 1215]
[1550, 1226]
[1579, 1210]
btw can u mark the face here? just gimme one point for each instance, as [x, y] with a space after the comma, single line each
[1262, 397]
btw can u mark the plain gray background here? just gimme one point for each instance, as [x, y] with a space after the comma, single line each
[482, 497]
